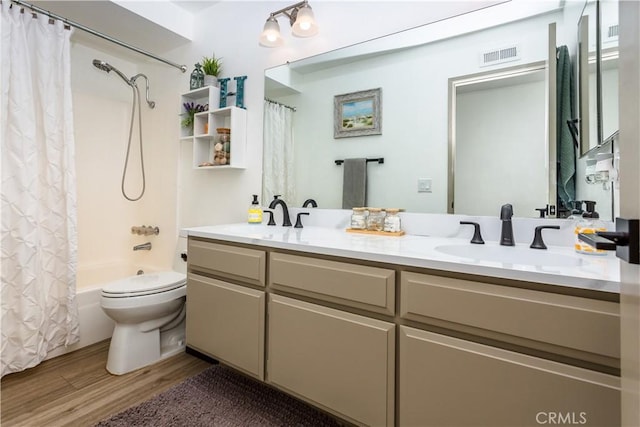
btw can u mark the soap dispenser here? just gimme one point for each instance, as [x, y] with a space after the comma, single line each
[255, 211]
[589, 224]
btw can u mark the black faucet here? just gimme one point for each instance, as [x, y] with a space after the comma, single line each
[538, 243]
[477, 236]
[310, 202]
[506, 237]
[286, 221]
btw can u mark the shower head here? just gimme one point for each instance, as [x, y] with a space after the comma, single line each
[105, 66]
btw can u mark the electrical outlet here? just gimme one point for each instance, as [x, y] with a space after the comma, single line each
[424, 185]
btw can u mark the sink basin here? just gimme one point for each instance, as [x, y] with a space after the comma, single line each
[511, 255]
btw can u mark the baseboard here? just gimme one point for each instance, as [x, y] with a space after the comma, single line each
[200, 355]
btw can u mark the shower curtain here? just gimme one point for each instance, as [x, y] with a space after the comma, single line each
[277, 174]
[38, 197]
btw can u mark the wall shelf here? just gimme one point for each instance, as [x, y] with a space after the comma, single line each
[205, 135]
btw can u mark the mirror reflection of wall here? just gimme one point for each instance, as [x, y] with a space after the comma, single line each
[414, 79]
[500, 143]
[590, 184]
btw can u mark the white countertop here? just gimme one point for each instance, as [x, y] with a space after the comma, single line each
[556, 265]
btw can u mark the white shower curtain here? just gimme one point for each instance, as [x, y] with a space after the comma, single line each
[277, 174]
[38, 210]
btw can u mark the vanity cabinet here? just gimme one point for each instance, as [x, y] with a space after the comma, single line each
[337, 360]
[381, 344]
[445, 381]
[448, 381]
[580, 328]
[225, 319]
[358, 286]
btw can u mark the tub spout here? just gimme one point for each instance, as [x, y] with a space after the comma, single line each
[143, 247]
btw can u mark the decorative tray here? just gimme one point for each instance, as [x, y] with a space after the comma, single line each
[375, 233]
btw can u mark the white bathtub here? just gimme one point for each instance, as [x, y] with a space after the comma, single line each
[95, 326]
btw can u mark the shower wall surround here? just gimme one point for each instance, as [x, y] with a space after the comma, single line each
[102, 112]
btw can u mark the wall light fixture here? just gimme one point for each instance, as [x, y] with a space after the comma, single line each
[303, 24]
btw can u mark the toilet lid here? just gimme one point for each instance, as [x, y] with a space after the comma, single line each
[145, 284]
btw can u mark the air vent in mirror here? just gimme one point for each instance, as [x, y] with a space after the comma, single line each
[498, 56]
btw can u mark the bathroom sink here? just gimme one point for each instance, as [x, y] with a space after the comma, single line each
[511, 255]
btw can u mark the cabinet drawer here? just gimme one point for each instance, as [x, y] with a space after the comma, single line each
[578, 323]
[226, 322]
[232, 262]
[445, 381]
[358, 286]
[340, 361]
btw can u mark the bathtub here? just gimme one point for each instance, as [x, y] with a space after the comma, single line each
[95, 326]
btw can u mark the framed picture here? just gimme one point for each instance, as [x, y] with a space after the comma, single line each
[357, 114]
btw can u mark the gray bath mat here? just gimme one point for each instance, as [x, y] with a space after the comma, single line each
[216, 397]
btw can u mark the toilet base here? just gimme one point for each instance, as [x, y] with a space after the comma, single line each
[131, 349]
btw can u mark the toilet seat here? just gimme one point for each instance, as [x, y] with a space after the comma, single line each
[144, 284]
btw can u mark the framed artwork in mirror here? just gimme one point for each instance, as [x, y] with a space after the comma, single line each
[357, 113]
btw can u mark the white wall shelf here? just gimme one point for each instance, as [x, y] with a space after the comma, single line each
[205, 127]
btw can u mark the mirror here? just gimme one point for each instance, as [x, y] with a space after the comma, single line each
[597, 102]
[486, 111]
[413, 69]
[597, 70]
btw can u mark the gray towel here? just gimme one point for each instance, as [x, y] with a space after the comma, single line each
[354, 184]
[566, 152]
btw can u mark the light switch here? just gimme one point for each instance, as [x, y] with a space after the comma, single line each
[424, 185]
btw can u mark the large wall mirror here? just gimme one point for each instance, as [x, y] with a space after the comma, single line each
[414, 69]
[597, 103]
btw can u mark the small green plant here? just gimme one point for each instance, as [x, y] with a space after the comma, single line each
[212, 66]
[190, 110]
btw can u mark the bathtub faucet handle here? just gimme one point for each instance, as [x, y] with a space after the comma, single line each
[145, 230]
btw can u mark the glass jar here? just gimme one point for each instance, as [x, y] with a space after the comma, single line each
[392, 221]
[359, 219]
[375, 220]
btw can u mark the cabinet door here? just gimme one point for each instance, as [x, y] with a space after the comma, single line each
[226, 322]
[446, 381]
[339, 361]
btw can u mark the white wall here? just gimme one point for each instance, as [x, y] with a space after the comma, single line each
[501, 150]
[231, 30]
[414, 140]
[174, 190]
[196, 197]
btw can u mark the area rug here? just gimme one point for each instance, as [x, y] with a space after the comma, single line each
[220, 397]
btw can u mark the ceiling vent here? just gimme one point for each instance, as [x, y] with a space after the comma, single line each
[498, 56]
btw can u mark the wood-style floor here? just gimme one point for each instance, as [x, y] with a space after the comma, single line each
[76, 390]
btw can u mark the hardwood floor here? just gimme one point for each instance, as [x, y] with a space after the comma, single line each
[76, 390]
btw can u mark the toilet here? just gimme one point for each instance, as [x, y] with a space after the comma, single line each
[149, 313]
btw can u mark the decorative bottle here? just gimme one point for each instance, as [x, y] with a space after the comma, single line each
[588, 224]
[197, 78]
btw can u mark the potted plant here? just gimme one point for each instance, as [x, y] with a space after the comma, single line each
[190, 110]
[212, 67]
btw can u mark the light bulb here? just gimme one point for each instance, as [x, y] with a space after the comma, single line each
[305, 25]
[270, 36]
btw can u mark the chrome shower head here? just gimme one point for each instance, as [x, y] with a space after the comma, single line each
[105, 66]
[101, 65]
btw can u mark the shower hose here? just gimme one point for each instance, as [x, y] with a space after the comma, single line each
[136, 99]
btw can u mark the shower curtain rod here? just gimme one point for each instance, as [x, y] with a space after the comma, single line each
[279, 103]
[35, 8]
